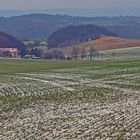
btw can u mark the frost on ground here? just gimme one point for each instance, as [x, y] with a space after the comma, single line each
[75, 120]
[71, 104]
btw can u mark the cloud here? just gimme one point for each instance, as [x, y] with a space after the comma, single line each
[49, 4]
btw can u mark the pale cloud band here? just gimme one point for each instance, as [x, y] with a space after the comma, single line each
[53, 4]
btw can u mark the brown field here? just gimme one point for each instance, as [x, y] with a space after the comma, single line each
[104, 43]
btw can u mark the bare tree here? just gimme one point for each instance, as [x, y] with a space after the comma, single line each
[75, 52]
[83, 53]
[56, 54]
[92, 53]
[48, 55]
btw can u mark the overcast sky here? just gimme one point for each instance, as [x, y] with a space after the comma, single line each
[53, 4]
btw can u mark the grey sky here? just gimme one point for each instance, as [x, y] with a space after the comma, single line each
[53, 4]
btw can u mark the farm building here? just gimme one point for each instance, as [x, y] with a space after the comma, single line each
[13, 52]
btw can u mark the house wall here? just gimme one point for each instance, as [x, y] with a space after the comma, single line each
[14, 51]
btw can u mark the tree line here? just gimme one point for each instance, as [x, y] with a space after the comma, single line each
[75, 54]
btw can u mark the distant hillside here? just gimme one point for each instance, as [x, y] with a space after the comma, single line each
[104, 43]
[42, 25]
[73, 35]
[8, 41]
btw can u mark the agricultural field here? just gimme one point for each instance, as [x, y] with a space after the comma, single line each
[70, 100]
[104, 44]
[123, 53]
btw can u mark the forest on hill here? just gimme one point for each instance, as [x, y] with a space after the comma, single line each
[72, 35]
[43, 25]
[9, 41]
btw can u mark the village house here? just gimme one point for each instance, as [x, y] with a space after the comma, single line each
[13, 52]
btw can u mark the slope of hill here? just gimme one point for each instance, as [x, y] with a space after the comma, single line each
[8, 41]
[104, 43]
[72, 35]
[42, 25]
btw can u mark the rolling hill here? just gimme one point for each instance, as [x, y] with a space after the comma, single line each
[43, 25]
[73, 35]
[104, 43]
[9, 41]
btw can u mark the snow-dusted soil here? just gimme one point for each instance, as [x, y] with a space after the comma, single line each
[99, 105]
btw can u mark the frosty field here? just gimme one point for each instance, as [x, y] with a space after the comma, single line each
[69, 100]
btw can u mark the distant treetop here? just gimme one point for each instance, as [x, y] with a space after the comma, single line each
[72, 35]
